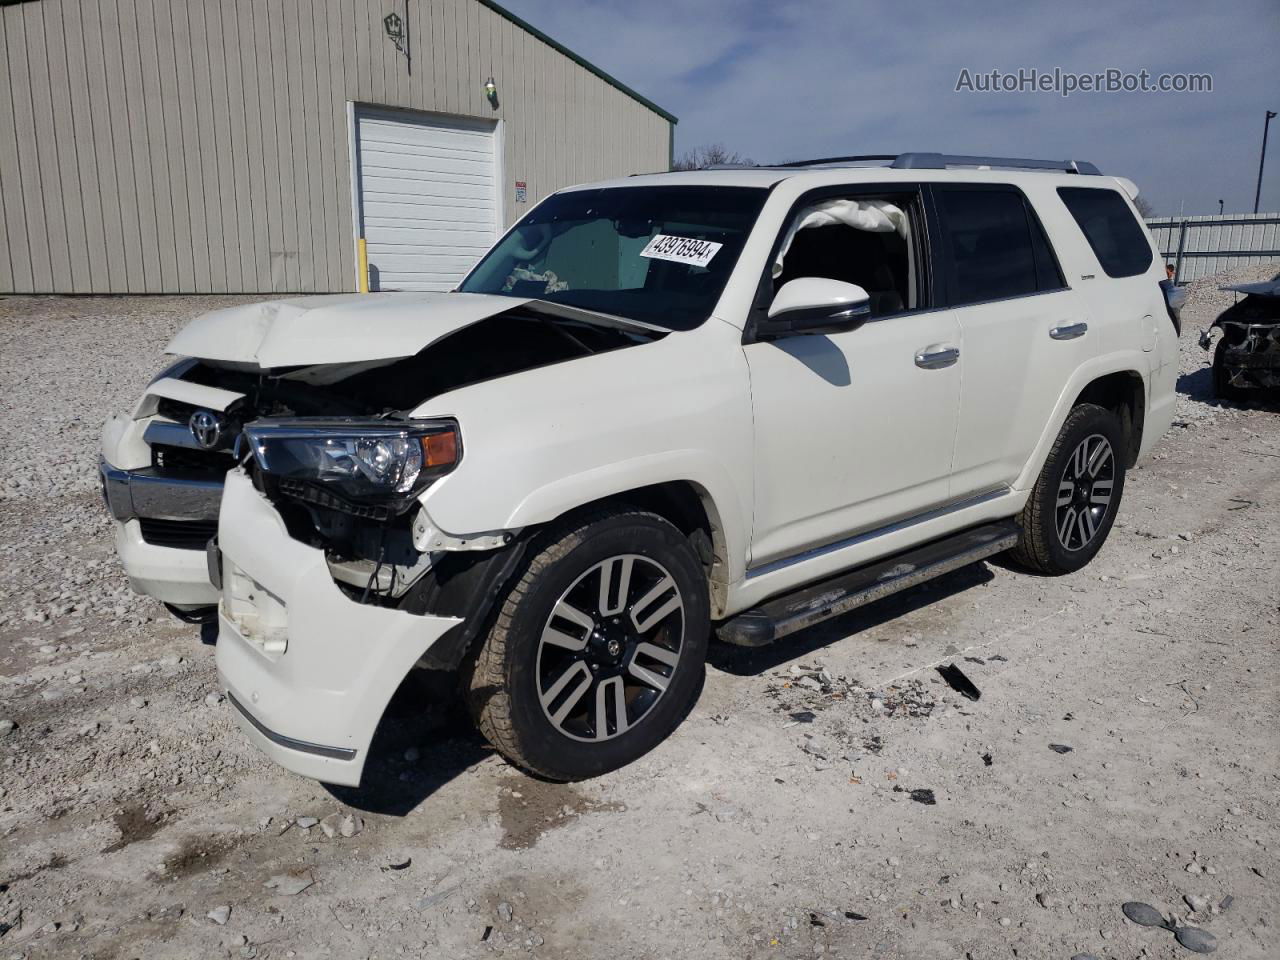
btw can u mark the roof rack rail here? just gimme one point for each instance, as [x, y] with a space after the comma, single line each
[940, 161]
[857, 158]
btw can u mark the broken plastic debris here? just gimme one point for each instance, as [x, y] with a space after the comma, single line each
[289, 885]
[803, 716]
[919, 795]
[959, 682]
[435, 898]
[1060, 748]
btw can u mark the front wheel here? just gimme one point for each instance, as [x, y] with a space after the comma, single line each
[1222, 386]
[597, 653]
[1074, 502]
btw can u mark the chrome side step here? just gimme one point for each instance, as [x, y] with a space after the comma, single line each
[781, 616]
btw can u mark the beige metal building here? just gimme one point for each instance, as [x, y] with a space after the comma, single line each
[198, 146]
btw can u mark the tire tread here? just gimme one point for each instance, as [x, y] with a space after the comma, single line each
[1033, 549]
[486, 682]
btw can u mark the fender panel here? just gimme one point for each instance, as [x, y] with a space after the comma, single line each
[1125, 361]
[542, 442]
[608, 480]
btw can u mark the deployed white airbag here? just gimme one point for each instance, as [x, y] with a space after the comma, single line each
[875, 216]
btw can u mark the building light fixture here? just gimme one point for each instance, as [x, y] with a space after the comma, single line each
[394, 28]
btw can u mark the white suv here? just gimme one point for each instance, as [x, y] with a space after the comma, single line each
[747, 399]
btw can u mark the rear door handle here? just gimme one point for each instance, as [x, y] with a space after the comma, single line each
[936, 356]
[1069, 331]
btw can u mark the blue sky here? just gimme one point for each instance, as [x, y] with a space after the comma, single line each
[785, 80]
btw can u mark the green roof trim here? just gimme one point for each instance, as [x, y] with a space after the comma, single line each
[587, 64]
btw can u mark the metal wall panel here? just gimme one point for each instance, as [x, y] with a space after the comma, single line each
[1202, 246]
[185, 146]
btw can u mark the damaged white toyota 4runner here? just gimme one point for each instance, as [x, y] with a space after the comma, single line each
[747, 398]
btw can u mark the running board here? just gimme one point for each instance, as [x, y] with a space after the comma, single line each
[781, 616]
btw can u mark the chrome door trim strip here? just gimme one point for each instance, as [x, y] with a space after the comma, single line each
[955, 506]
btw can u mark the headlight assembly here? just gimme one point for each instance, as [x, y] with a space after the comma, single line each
[361, 462]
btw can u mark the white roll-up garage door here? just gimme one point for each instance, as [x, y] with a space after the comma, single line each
[427, 192]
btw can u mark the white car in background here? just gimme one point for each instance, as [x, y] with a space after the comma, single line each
[742, 399]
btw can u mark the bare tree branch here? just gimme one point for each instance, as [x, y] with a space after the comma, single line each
[711, 155]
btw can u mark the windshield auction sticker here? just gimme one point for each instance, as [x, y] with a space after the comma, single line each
[698, 253]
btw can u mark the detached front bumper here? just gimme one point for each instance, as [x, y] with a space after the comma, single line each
[308, 670]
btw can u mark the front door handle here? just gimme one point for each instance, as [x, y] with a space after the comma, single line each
[1069, 331]
[936, 356]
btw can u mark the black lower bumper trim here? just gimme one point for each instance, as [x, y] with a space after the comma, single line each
[194, 614]
[302, 746]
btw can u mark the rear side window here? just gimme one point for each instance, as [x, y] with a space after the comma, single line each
[992, 246]
[1118, 241]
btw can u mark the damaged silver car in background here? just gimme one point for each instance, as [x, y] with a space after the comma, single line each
[1246, 361]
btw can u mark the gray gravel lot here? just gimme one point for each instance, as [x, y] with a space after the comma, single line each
[779, 821]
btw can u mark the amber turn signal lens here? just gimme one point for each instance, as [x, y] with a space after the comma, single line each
[440, 449]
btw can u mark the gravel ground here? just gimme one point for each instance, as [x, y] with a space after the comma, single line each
[828, 797]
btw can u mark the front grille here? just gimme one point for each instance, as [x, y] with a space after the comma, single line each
[176, 410]
[185, 460]
[181, 534]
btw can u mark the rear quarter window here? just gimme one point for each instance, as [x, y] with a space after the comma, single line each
[1117, 239]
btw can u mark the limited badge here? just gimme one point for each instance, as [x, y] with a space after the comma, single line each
[697, 253]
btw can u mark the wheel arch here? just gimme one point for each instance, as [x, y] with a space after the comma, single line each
[1114, 382]
[468, 584]
[1124, 394]
[690, 508]
[690, 488]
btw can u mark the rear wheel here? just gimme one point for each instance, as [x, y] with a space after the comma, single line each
[597, 653]
[1074, 502]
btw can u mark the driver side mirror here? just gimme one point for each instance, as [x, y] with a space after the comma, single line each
[811, 305]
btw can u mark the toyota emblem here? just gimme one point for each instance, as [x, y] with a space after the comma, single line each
[206, 428]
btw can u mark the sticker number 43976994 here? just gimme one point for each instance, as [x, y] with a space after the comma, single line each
[697, 253]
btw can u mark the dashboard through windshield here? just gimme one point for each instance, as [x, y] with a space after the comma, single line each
[661, 255]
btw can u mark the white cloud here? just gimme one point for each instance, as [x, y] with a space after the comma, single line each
[785, 80]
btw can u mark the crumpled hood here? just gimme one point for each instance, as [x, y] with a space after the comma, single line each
[345, 328]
